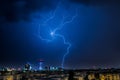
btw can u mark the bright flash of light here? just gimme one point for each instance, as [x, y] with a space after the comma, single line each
[52, 33]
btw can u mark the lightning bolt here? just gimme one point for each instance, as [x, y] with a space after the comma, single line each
[68, 48]
[54, 34]
[45, 22]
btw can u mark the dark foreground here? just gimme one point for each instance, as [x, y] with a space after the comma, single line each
[82, 74]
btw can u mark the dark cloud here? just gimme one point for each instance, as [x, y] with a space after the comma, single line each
[96, 2]
[13, 10]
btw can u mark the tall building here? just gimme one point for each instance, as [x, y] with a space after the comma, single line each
[27, 67]
[41, 64]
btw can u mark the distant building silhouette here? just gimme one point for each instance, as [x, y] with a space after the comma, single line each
[86, 77]
[97, 76]
[27, 67]
[71, 75]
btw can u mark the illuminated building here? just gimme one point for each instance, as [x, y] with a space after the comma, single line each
[41, 64]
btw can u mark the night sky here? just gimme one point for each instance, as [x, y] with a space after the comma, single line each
[94, 33]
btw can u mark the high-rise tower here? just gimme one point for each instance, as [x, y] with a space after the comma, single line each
[41, 64]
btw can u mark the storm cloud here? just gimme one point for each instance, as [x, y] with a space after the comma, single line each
[15, 10]
[95, 2]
